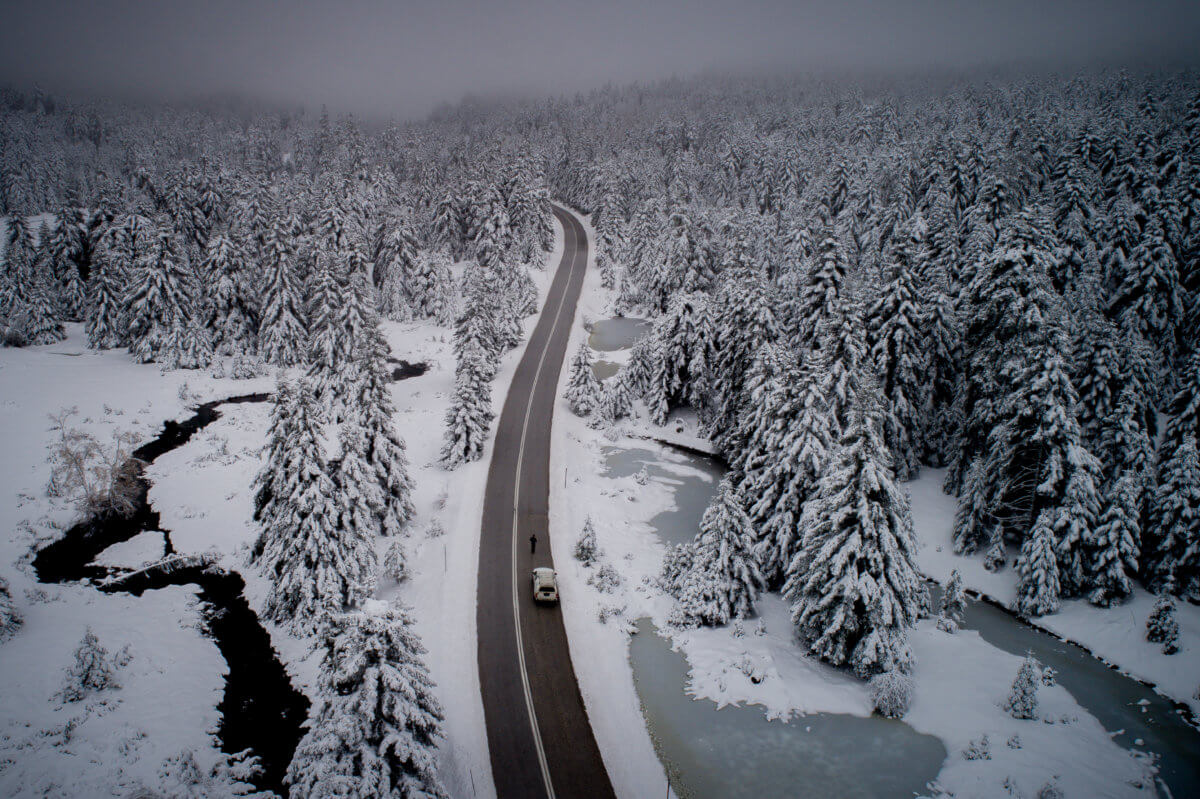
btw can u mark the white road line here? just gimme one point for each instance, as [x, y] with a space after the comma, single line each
[537, 733]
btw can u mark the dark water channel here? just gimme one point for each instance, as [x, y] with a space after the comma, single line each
[261, 711]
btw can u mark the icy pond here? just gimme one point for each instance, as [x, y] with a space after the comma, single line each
[710, 752]
[618, 333]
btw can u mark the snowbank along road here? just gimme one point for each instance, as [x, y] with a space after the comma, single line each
[539, 737]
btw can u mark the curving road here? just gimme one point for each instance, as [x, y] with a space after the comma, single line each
[540, 740]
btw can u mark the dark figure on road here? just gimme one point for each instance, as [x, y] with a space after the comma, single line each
[533, 543]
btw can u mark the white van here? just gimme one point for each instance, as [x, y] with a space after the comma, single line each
[545, 585]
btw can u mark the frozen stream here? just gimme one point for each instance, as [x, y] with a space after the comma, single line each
[736, 751]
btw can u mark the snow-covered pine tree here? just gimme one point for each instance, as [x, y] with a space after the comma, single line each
[616, 400]
[1162, 627]
[583, 389]
[1038, 584]
[356, 503]
[586, 550]
[470, 413]
[158, 303]
[235, 315]
[853, 585]
[92, 672]
[1147, 295]
[282, 332]
[312, 567]
[743, 321]
[723, 578]
[271, 483]
[953, 604]
[944, 351]
[376, 725]
[776, 487]
[1114, 547]
[1022, 701]
[680, 365]
[106, 323]
[385, 449]
[894, 334]
[327, 347]
[1172, 555]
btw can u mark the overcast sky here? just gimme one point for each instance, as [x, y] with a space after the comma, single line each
[403, 57]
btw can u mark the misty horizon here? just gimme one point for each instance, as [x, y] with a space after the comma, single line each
[378, 60]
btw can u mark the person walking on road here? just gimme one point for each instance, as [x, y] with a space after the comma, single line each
[533, 543]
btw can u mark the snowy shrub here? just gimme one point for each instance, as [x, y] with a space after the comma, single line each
[93, 671]
[947, 625]
[100, 481]
[1162, 627]
[738, 630]
[395, 562]
[605, 580]
[642, 477]
[1050, 791]
[1014, 742]
[1022, 702]
[245, 367]
[435, 529]
[10, 618]
[978, 750]
[181, 776]
[1049, 676]
[760, 628]
[607, 612]
[891, 693]
[585, 548]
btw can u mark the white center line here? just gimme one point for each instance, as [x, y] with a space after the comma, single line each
[537, 734]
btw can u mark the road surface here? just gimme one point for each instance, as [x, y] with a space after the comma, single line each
[540, 740]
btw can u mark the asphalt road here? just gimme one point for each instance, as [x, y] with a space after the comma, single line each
[540, 740]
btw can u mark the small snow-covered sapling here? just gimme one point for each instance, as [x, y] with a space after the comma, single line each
[1022, 701]
[586, 550]
[1162, 627]
[93, 670]
[978, 750]
[953, 604]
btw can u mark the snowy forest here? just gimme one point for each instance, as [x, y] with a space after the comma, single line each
[849, 282]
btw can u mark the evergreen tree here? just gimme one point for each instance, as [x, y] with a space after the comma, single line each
[783, 462]
[1147, 295]
[234, 323]
[586, 550]
[723, 579]
[271, 483]
[314, 567]
[385, 449]
[853, 586]
[1173, 552]
[1162, 627]
[92, 672]
[953, 604]
[327, 346]
[470, 413]
[106, 323]
[743, 322]
[1022, 702]
[1038, 584]
[583, 389]
[944, 351]
[680, 362]
[894, 333]
[376, 724]
[1114, 547]
[282, 332]
[158, 304]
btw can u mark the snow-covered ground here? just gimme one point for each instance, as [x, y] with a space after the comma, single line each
[170, 688]
[1117, 635]
[960, 681]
